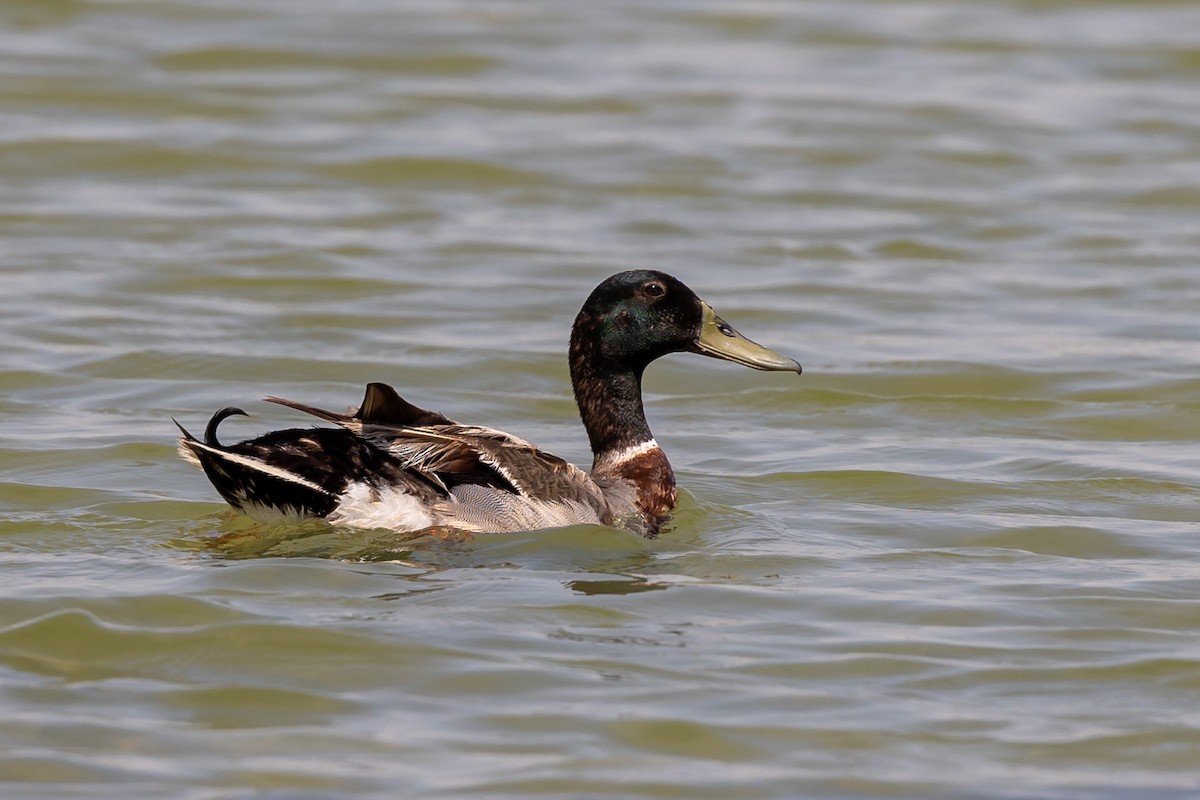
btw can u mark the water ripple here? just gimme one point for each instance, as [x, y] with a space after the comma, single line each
[956, 558]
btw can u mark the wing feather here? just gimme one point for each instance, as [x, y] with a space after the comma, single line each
[449, 454]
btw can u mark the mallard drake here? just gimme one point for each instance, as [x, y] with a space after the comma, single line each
[393, 465]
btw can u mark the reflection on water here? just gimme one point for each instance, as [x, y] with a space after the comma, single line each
[630, 585]
[956, 558]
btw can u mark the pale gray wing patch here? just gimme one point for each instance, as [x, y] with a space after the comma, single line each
[486, 509]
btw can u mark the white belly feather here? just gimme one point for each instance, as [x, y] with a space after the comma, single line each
[362, 506]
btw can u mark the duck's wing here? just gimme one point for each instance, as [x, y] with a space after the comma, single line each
[381, 405]
[489, 478]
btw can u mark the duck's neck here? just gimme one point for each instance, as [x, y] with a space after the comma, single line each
[608, 392]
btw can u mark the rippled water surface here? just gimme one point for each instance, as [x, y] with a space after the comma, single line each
[958, 557]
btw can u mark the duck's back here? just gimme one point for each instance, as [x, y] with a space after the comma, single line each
[492, 481]
[397, 466]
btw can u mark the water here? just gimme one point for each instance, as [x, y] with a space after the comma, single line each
[956, 558]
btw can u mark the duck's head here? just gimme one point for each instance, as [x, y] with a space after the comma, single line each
[635, 317]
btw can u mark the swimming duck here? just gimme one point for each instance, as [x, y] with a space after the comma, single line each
[391, 464]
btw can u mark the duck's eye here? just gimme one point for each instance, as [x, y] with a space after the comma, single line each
[654, 289]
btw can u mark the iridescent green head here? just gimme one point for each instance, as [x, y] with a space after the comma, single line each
[634, 317]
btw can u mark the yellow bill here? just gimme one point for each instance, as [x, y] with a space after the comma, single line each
[719, 340]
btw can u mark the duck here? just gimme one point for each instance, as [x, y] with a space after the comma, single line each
[391, 464]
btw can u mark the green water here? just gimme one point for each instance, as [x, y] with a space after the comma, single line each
[959, 557]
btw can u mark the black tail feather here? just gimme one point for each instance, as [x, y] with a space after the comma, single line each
[210, 430]
[187, 436]
[305, 472]
[247, 482]
[245, 478]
